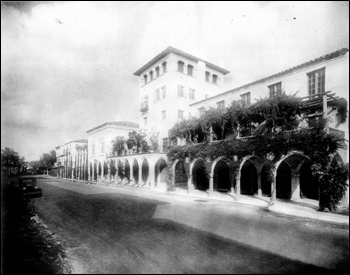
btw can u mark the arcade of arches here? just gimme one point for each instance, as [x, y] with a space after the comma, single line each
[291, 179]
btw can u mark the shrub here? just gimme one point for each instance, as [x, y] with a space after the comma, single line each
[333, 184]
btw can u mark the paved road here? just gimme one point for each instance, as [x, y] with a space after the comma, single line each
[117, 230]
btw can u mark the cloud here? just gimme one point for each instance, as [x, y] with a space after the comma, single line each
[67, 67]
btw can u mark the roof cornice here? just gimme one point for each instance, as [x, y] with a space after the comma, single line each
[169, 50]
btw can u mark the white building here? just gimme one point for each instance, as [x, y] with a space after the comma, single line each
[169, 83]
[71, 159]
[328, 73]
[100, 145]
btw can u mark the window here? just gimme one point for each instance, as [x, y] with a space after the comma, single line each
[150, 75]
[180, 91]
[102, 143]
[201, 111]
[221, 104]
[246, 98]
[316, 81]
[156, 95]
[191, 94]
[165, 143]
[275, 89]
[180, 66]
[207, 74]
[190, 70]
[215, 79]
[180, 114]
[164, 91]
[145, 78]
[164, 66]
[157, 71]
[145, 121]
[163, 114]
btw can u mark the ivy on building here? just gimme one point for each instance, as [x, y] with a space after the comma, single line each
[273, 124]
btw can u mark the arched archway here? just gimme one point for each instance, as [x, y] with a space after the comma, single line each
[144, 171]
[221, 175]
[91, 172]
[135, 171]
[283, 181]
[105, 170]
[95, 171]
[99, 170]
[308, 186]
[199, 176]
[288, 177]
[180, 175]
[120, 175]
[161, 171]
[249, 178]
[127, 169]
[113, 169]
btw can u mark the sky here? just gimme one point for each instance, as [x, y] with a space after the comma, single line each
[67, 67]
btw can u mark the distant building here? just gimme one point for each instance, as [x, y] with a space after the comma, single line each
[72, 160]
[100, 146]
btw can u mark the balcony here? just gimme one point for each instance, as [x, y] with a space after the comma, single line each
[144, 107]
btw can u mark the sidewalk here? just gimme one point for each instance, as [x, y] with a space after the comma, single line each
[304, 208]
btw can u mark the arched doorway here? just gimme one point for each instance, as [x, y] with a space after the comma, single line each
[283, 181]
[180, 175]
[161, 171]
[249, 178]
[135, 171]
[113, 169]
[308, 186]
[145, 171]
[222, 182]
[199, 176]
[105, 170]
[99, 170]
[95, 171]
[127, 169]
[120, 175]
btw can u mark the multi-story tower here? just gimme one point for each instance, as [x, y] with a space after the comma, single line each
[169, 83]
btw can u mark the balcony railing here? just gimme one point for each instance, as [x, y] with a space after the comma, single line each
[144, 107]
[336, 132]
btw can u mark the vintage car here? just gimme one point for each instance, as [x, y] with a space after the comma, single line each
[25, 188]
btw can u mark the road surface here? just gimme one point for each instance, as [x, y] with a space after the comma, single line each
[125, 230]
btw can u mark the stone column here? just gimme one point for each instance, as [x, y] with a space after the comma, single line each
[109, 171]
[132, 180]
[211, 185]
[140, 175]
[238, 185]
[273, 187]
[259, 184]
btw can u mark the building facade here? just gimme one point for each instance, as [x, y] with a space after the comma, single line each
[174, 86]
[169, 83]
[100, 147]
[72, 160]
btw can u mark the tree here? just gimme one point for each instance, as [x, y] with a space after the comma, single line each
[48, 160]
[138, 139]
[10, 158]
[118, 145]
